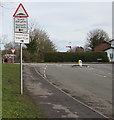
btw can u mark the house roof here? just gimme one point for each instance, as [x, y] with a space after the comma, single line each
[102, 46]
[111, 40]
[96, 48]
[103, 42]
[108, 42]
[109, 48]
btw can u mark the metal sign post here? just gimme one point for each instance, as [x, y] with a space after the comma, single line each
[21, 68]
[13, 60]
[21, 35]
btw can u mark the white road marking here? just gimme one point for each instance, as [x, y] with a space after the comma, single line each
[70, 95]
[45, 71]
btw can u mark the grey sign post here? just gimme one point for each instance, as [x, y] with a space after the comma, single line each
[21, 34]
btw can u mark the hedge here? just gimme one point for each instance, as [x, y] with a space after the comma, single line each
[74, 57]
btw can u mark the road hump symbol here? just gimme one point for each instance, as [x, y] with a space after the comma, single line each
[20, 12]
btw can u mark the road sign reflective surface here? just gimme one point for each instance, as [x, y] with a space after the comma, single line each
[21, 38]
[20, 12]
[20, 25]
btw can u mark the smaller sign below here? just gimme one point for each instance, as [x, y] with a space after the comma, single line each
[20, 25]
[21, 38]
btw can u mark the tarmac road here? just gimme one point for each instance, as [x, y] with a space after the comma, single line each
[89, 88]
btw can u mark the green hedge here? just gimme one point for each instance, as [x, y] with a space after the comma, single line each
[74, 57]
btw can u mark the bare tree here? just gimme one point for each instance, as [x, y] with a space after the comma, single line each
[96, 37]
[39, 41]
[1, 4]
[11, 45]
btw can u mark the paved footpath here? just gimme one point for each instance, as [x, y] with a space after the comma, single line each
[54, 102]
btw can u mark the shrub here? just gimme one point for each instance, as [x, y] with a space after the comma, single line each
[74, 57]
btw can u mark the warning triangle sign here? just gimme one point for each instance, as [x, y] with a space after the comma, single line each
[20, 12]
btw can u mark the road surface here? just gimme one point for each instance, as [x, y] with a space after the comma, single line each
[90, 86]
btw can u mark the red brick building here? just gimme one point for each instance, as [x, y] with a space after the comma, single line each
[77, 49]
[102, 47]
[107, 47]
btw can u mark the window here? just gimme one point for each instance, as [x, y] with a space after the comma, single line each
[111, 55]
[112, 45]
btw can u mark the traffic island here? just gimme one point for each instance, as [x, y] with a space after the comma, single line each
[80, 66]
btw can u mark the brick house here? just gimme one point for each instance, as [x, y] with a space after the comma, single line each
[103, 46]
[77, 49]
[107, 47]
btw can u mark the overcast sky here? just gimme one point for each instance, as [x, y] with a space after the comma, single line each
[67, 23]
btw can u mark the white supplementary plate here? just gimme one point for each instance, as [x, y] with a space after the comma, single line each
[20, 25]
[21, 38]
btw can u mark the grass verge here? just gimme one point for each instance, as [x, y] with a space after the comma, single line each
[0, 90]
[15, 105]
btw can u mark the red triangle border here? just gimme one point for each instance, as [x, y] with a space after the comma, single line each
[18, 9]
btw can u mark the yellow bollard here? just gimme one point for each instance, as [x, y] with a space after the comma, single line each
[80, 63]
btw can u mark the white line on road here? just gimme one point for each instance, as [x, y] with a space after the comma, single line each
[100, 75]
[70, 95]
[45, 71]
